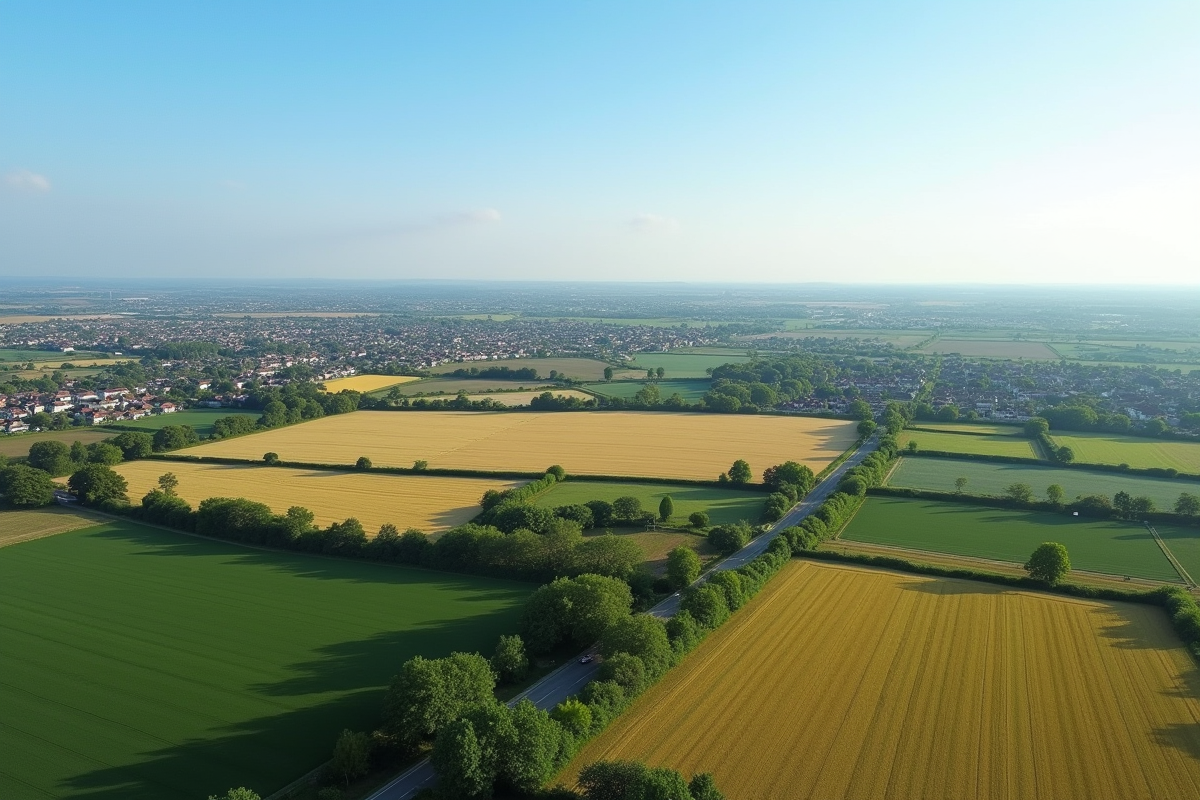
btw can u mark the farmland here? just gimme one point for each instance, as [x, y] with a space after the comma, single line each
[984, 477]
[1105, 448]
[689, 390]
[23, 356]
[367, 383]
[524, 398]
[143, 665]
[655, 546]
[1115, 548]
[25, 524]
[976, 428]
[980, 348]
[427, 502]
[16, 445]
[847, 682]
[201, 419]
[723, 505]
[965, 443]
[453, 386]
[684, 365]
[698, 446]
[587, 369]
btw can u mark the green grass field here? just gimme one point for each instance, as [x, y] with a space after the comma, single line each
[1108, 448]
[966, 443]
[723, 505]
[1116, 548]
[939, 474]
[452, 386]
[201, 419]
[139, 664]
[976, 428]
[587, 369]
[16, 445]
[1184, 544]
[689, 390]
[21, 356]
[685, 365]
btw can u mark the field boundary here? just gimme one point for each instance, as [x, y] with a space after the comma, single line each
[1183, 573]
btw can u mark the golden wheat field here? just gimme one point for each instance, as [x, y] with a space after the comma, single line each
[26, 524]
[595, 443]
[430, 503]
[848, 682]
[368, 383]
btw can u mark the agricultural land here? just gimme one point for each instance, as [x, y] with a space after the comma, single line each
[723, 505]
[1103, 448]
[21, 525]
[915, 688]
[1112, 547]
[200, 419]
[586, 369]
[429, 503]
[16, 445]
[368, 383]
[684, 365]
[991, 478]
[525, 398]
[690, 390]
[452, 386]
[142, 665]
[978, 348]
[977, 428]
[966, 443]
[691, 446]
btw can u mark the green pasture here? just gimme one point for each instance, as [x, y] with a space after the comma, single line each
[16, 445]
[452, 386]
[140, 664]
[1184, 544]
[1005, 445]
[684, 365]
[22, 356]
[1109, 448]
[985, 477]
[968, 427]
[1116, 548]
[689, 390]
[723, 505]
[587, 369]
[201, 419]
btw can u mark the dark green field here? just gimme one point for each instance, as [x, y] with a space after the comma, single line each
[1116, 548]
[139, 664]
[201, 419]
[1003, 445]
[689, 390]
[723, 505]
[685, 365]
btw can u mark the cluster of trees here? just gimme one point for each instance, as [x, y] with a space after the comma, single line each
[1038, 428]
[546, 401]
[499, 373]
[1122, 504]
[23, 486]
[301, 400]
[631, 780]
[763, 383]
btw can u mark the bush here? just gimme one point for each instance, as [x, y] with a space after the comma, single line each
[362, 463]
[698, 519]
[728, 539]
[271, 458]
[509, 661]
[683, 567]
[558, 472]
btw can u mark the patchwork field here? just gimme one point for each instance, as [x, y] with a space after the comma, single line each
[587, 369]
[1115, 548]
[990, 349]
[939, 474]
[368, 383]
[524, 398]
[16, 445]
[426, 502]
[723, 505]
[684, 365]
[201, 419]
[141, 665]
[598, 443]
[689, 390]
[452, 386]
[855, 683]
[964, 443]
[1105, 448]
[23, 525]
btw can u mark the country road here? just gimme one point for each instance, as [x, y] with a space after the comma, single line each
[571, 677]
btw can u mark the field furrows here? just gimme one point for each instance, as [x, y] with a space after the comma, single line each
[846, 682]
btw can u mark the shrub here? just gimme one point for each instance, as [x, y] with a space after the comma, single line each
[698, 519]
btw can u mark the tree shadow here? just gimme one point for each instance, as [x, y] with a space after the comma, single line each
[1183, 736]
[953, 586]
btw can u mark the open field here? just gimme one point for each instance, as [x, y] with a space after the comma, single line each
[201, 419]
[1115, 548]
[694, 446]
[969, 428]
[524, 398]
[656, 545]
[587, 369]
[25, 524]
[1003, 445]
[1108, 448]
[16, 445]
[847, 682]
[689, 390]
[1184, 544]
[938, 474]
[427, 502]
[368, 383]
[452, 386]
[723, 505]
[977, 348]
[684, 365]
[19, 319]
[285, 314]
[141, 664]
[24, 356]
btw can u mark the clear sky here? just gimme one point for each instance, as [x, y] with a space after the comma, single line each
[793, 141]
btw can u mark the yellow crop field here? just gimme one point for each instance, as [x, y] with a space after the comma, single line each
[848, 682]
[430, 503]
[23, 525]
[598, 443]
[368, 383]
[524, 398]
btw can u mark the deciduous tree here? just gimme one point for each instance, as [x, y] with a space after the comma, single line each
[683, 566]
[1049, 563]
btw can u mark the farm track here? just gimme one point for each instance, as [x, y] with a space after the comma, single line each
[1183, 573]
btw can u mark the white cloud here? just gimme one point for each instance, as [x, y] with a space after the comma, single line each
[25, 181]
[653, 223]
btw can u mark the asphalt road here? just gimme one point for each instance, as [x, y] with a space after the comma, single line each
[571, 677]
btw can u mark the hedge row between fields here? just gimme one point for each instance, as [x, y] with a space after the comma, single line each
[1153, 472]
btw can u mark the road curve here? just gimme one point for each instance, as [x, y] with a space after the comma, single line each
[571, 677]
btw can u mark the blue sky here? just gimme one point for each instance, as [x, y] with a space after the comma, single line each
[893, 142]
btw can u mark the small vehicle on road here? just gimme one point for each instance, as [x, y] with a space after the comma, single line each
[589, 658]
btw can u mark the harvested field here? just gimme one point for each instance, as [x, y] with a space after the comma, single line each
[368, 383]
[23, 525]
[983, 477]
[965, 443]
[855, 683]
[524, 398]
[587, 369]
[981, 348]
[1108, 448]
[597, 443]
[1109, 546]
[142, 664]
[723, 505]
[427, 502]
[16, 445]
